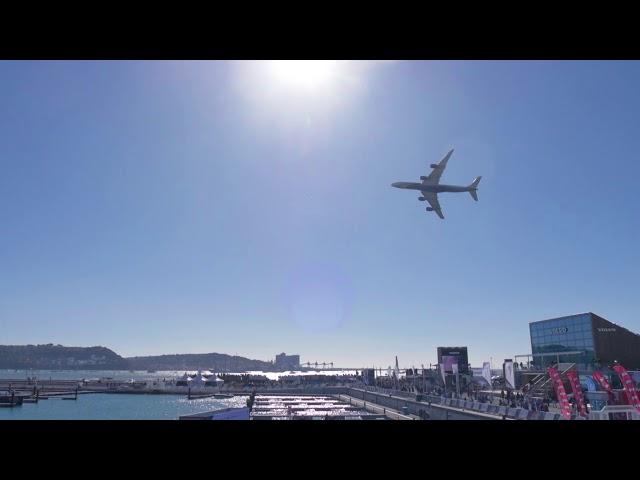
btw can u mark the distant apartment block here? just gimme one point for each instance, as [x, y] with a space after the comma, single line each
[287, 362]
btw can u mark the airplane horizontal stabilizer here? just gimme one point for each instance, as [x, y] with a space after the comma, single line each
[473, 188]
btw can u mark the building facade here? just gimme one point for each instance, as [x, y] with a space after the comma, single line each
[585, 339]
[447, 356]
[287, 362]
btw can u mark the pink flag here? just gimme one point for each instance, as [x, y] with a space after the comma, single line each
[602, 380]
[565, 408]
[577, 391]
[629, 386]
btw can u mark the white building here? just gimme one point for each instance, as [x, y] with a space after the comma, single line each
[287, 362]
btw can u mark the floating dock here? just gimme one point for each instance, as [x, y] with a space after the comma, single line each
[307, 407]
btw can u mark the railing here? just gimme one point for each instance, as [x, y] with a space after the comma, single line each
[488, 408]
[541, 385]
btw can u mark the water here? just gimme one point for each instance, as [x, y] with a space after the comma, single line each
[107, 406]
[113, 406]
[141, 375]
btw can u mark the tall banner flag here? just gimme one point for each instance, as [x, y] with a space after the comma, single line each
[602, 380]
[577, 391]
[396, 370]
[486, 372]
[565, 408]
[454, 369]
[629, 386]
[604, 383]
[442, 372]
[509, 376]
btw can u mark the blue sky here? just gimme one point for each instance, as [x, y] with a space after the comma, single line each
[174, 207]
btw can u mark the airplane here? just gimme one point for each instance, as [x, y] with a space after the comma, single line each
[430, 186]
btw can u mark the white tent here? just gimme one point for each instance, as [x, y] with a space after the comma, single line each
[198, 381]
[215, 380]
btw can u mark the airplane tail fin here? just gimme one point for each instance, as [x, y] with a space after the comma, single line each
[473, 188]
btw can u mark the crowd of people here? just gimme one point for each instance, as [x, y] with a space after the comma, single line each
[506, 397]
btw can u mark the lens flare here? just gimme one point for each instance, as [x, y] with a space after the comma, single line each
[304, 74]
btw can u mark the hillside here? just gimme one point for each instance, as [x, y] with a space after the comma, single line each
[49, 357]
[218, 362]
[56, 357]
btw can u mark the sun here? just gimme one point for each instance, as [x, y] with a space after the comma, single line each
[304, 74]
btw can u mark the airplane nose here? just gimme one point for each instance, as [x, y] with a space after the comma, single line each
[394, 184]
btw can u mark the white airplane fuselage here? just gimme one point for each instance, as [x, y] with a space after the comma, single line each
[431, 188]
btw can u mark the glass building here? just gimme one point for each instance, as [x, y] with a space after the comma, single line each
[585, 339]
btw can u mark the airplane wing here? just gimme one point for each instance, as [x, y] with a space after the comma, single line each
[436, 173]
[432, 198]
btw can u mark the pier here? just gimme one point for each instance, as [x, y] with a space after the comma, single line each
[391, 403]
[19, 391]
[430, 408]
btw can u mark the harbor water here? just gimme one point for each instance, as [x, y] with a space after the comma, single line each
[113, 406]
[142, 375]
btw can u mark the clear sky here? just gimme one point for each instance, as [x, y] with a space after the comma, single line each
[246, 208]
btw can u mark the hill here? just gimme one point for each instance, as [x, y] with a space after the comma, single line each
[56, 357]
[50, 357]
[218, 362]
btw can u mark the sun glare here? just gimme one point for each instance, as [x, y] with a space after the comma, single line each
[304, 74]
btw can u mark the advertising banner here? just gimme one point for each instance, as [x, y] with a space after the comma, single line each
[629, 386]
[509, 375]
[577, 392]
[486, 372]
[454, 368]
[448, 361]
[602, 380]
[606, 386]
[589, 382]
[563, 400]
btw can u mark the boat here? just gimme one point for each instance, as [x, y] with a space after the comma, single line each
[151, 371]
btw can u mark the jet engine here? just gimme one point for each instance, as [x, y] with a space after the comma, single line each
[422, 199]
[434, 165]
[429, 209]
[423, 177]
